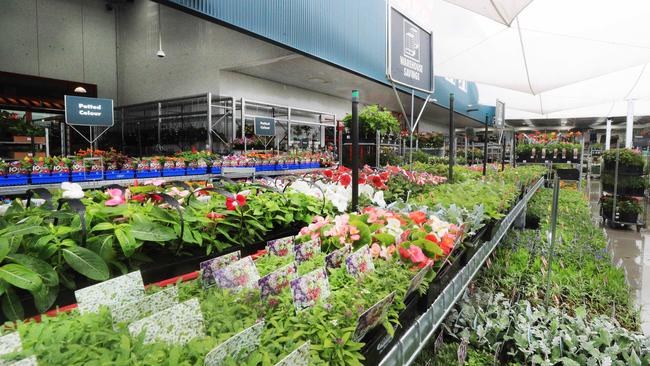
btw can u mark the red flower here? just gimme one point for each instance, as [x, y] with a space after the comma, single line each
[433, 238]
[376, 180]
[138, 197]
[156, 198]
[328, 173]
[214, 216]
[345, 180]
[238, 201]
[447, 244]
[418, 217]
[384, 176]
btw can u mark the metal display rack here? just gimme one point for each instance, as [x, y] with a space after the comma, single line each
[416, 337]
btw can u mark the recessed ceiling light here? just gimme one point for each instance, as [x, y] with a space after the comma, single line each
[317, 80]
[80, 89]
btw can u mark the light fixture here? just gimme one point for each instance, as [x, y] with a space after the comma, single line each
[160, 52]
[434, 100]
[80, 90]
[315, 79]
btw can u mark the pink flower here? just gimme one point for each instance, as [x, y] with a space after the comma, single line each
[417, 255]
[117, 197]
[375, 250]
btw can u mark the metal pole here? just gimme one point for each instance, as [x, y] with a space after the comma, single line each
[378, 148]
[62, 132]
[582, 153]
[485, 145]
[139, 141]
[243, 122]
[209, 141]
[503, 153]
[411, 130]
[452, 138]
[615, 183]
[159, 127]
[512, 151]
[47, 142]
[355, 150]
[556, 196]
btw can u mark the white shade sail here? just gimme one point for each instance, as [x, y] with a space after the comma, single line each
[502, 11]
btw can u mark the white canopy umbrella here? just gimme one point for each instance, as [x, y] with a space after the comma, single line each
[502, 11]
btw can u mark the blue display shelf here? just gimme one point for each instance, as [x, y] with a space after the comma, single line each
[14, 180]
[119, 174]
[86, 176]
[153, 173]
[196, 171]
[175, 172]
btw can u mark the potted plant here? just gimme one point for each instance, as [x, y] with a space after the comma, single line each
[374, 118]
[21, 130]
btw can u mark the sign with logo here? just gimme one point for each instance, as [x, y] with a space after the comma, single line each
[264, 126]
[410, 53]
[83, 111]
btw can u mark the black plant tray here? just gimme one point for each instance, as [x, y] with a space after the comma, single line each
[568, 174]
[610, 168]
[624, 191]
[165, 266]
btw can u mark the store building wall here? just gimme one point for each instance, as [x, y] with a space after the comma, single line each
[62, 39]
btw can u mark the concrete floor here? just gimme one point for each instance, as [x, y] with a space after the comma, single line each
[631, 251]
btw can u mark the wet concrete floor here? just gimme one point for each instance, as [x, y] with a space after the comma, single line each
[631, 251]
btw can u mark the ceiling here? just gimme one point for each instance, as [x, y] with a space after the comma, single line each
[306, 73]
[575, 123]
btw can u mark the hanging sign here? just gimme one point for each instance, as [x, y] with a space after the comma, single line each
[264, 126]
[83, 111]
[500, 115]
[410, 53]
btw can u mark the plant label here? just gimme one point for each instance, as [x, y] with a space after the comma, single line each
[274, 282]
[175, 325]
[418, 279]
[148, 305]
[308, 289]
[299, 357]
[238, 346]
[112, 293]
[10, 343]
[360, 262]
[238, 275]
[373, 316]
[336, 258]
[280, 247]
[306, 251]
[440, 339]
[210, 266]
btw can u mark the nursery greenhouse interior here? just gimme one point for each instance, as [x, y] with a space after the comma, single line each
[324, 182]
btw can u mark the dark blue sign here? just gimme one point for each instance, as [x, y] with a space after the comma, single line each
[82, 111]
[410, 53]
[264, 126]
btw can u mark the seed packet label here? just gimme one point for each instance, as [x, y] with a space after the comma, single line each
[306, 251]
[308, 289]
[274, 282]
[336, 258]
[148, 305]
[373, 316]
[299, 357]
[175, 325]
[418, 279]
[238, 275]
[29, 361]
[280, 247]
[360, 262]
[238, 346]
[10, 343]
[210, 266]
[112, 293]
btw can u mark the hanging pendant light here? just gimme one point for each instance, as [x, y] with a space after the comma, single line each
[160, 52]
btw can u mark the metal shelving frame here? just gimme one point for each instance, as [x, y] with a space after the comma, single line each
[416, 337]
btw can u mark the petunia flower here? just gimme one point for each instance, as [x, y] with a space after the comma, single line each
[238, 201]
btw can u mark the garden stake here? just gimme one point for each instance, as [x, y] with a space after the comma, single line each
[556, 196]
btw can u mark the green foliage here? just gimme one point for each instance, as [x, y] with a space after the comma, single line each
[374, 118]
[627, 158]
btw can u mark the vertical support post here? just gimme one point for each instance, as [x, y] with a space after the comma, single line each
[411, 121]
[208, 143]
[355, 150]
[512, 151]
[234, 119]
[158, 128]
[452, 138]
[289, 129]
[608, 134]
[582, 154]
[503, 152]
[377, 148]
[556, 196]
[629, 124]
[47, 142]
[139, 141]
[243, 123]
[618, 151]
[485, 145]
[62, 132]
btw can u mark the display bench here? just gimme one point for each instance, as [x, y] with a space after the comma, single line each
[404, 351]
[232, 172]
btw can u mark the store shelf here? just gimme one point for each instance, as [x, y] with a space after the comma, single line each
[15, 190]
[416, 337]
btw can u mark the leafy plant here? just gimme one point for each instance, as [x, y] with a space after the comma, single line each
[374, 118]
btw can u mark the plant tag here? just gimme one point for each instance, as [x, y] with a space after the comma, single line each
[488, 262]
[10, 343]
[299, 357]
[418, 279]
[238, 275]
[306, 250]
[462, 352]
[148, 305]
[544, 262]
[360, 262]
[336, 258]
[210, 266]
[308, 289]
[274, 282]
[29, 361]
[280, 247]
[238, 346]
[440, 340]
[373, 316]
[112, 293]
[176, 325]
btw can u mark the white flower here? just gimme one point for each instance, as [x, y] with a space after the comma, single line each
[366, 189]
[71, 190]
[203, 199]
[394, 227]
[378, 199]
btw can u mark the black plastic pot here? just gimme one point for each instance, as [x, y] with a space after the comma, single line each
[568, 174]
